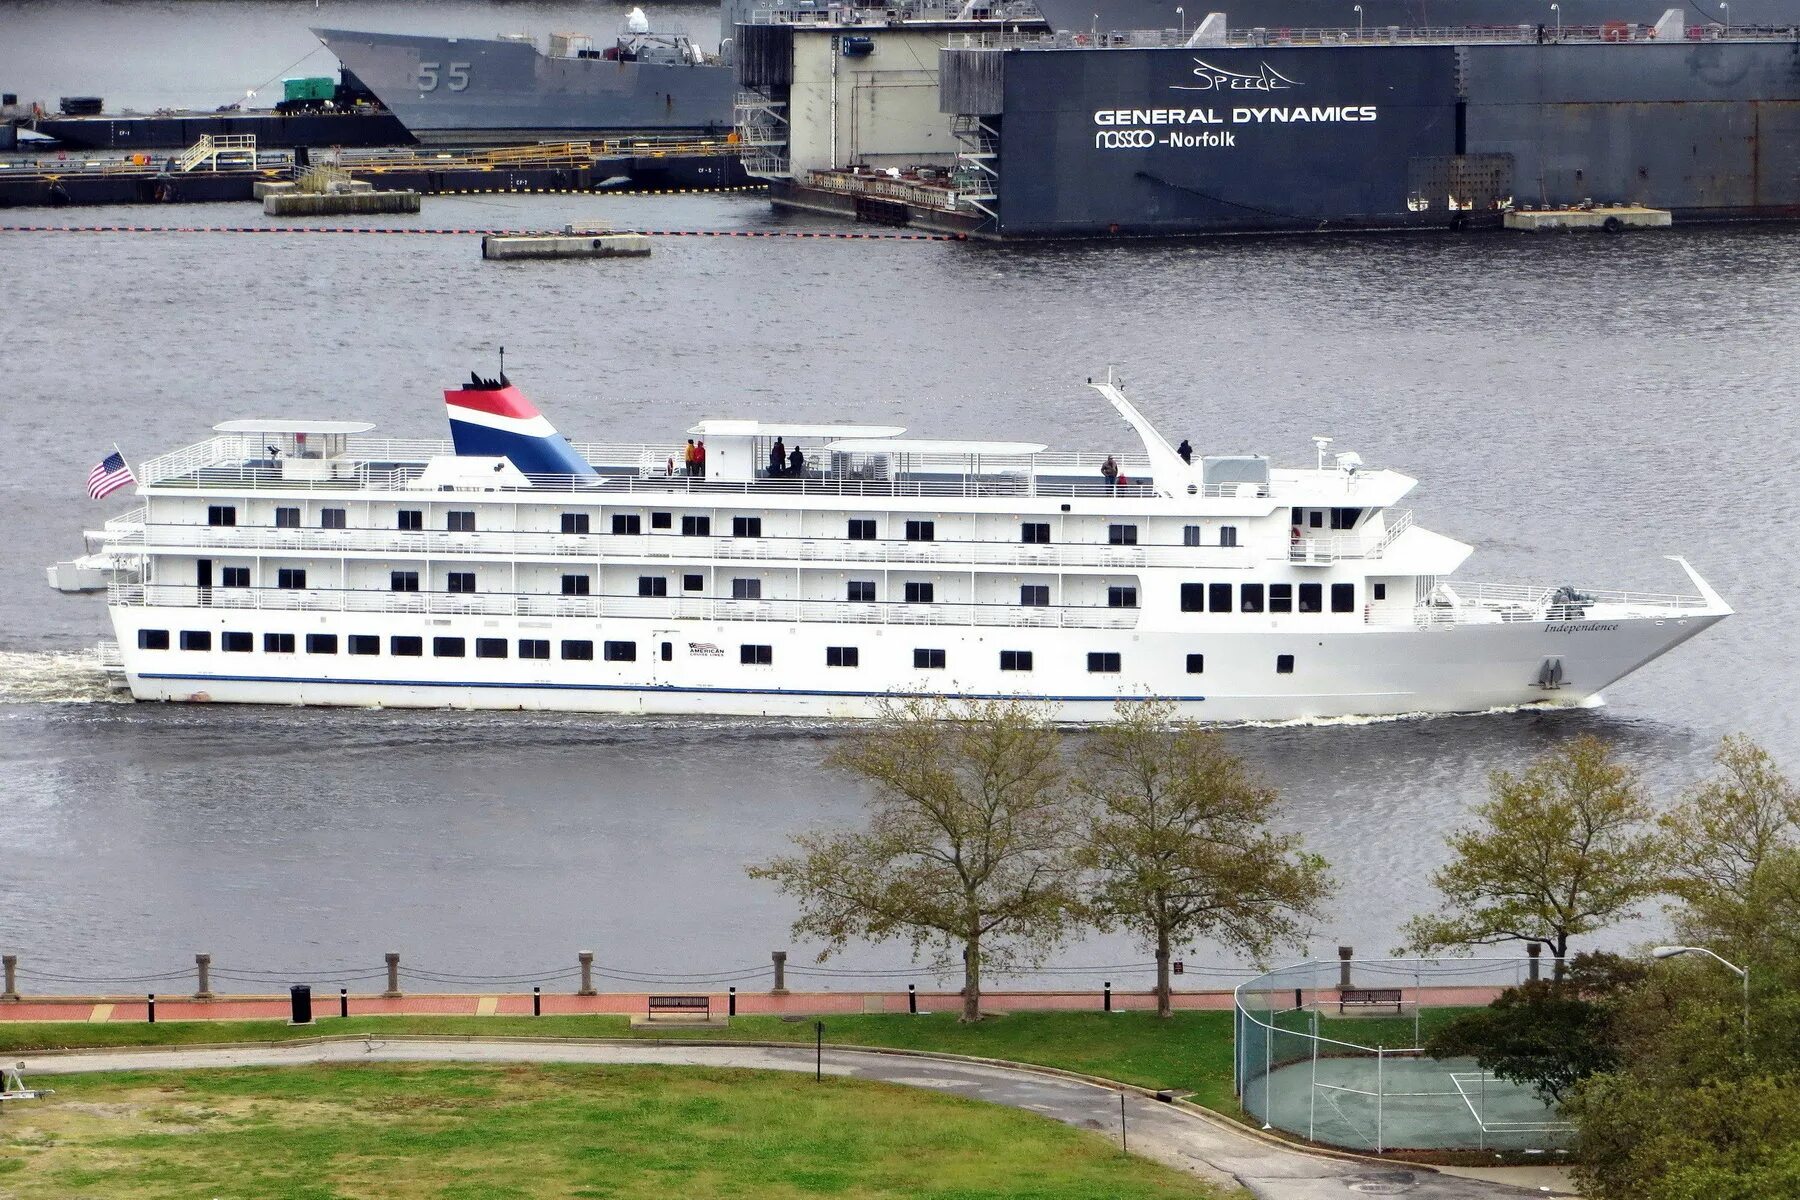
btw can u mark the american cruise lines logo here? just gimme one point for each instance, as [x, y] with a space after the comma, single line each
[1208, 78]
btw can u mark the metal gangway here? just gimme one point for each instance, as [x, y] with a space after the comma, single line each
[233, 149]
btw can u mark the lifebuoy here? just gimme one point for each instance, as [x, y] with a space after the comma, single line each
[1613, 225]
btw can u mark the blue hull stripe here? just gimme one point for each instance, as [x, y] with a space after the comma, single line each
[652, 687]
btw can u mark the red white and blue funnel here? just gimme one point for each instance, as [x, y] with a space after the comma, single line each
[492, 419]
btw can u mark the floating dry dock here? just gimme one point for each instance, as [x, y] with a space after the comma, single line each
[568, 244]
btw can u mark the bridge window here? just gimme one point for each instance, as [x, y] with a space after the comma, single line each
[1034, 595]
[921, 531]
[403, 581]
[234, 576]
[1250, 597]
[860, 591]
[1103, 662]
[919, 593]
[365, 643]
[1343, 597]
[1218, 597]
[196, 639]
[1315, 519]
[577, 585]
[448, 647]
[221, 514]
[1035, 533]
[332, 518]
[490, 647]
[862, 530]
[321, 643]
[1345, 518]
[295, 578]
[627, 523]
[153, 639]
[575, 522]
[460, 522]
[278, 643]
[1121, 597]
[536, 649]
[1193, 597]
[1196, 664]
[406, 647]
[1121, 535]
[1281, 597]
[746, 589]
[235, 642]
[841, 656]
[410, 519]
[662, 520]
[756, 656]
[1311, 597]
[1015, 660]
[287, 518]
[928, 660]
[652, 585]
[746, 527]
[696, 527]
[1284, 664]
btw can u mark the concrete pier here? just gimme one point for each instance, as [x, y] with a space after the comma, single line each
[506, 246]
[334, 204]
[1606, 220]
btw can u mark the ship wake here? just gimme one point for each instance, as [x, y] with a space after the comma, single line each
[55, 677]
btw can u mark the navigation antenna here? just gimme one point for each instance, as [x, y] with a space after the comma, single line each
[503, 366]
[1321, 443]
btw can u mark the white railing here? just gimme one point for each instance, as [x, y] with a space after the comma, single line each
[1368, 35]
[1452, 604]
[1500, 595]
[504, 604]
[1321, 551]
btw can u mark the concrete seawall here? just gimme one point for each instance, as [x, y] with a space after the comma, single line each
[504, 247]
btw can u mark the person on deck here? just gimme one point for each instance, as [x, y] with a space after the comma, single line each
[777, 459]
[689, 457]
[1186, 451]
[797, 463]
[700, 460]
[1109, 471]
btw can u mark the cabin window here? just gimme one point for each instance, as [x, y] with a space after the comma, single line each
[1121, 597]
[460, 582]
[411, 520]
[861, 591]
[490, 647]
[406, 647]
[756, 656]
[1104, 662]
[1193, 597]
[577, 585]
[652, 585]
[1218, 597]
[693, 583]
[1196, 664]
[1281, 597]
[278, 643]
[196, 639]
[291, 577]
[321, 643]
[1034, 595]
[1015, 660]
[460, 522]
[696, 527]
[1228, 535]
[1190, 535]
[448, 647]
[746, 589]
[1311, 597]
[1345, 518]
[403, 581]
[1250, 597]
[1035, 533]
[365, 643]
[1315, 520]
[627, 523]
[668, 651]
[536, 649]
[862, 530]
[287, 518]
[575, 522]
[1121, 535]
[1380, 590]
[234, 576]
[332, 518]
[921, 531]
[662, 520]
[153, 639]
[1343, 597]
[928, 660]
[236, 642]
[746, 527]
[841, 656]
[614, 651]
[221, 514]
[920, 593]
[1284, 664]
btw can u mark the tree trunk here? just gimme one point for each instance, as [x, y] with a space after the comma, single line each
[972, 978]
[1164, 1006]
[1560, 948]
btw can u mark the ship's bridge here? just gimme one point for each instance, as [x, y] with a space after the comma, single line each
[737, 451]
[308, 450]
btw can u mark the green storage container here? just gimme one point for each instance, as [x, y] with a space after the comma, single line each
[315, 87]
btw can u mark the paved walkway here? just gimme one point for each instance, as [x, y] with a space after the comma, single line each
[1205, 1146]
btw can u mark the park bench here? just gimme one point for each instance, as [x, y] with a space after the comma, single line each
[679, 1008]
[1371, 997]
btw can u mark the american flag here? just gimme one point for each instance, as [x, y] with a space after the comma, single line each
[109, 475]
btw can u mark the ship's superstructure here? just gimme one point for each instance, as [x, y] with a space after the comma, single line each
[308, 562]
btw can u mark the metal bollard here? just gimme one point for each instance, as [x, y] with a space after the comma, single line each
[779, 959]
[912, 998]
[393, 969]
[537, 1002]
[9, 964]
[586, 959]
[1108, 996]
[203, 969]
[343, 1002]
[150, 1009]
[731, 1002]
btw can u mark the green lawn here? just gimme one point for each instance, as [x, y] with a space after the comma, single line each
[459, 1132]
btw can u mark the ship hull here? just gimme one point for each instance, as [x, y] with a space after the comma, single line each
[449, 90]
[1366, 672]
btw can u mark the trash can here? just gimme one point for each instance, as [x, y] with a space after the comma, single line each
[300, 1004]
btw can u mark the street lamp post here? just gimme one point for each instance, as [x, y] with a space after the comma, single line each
[1726, 5]
[1742, 973]
[1181, 14]
[1359, 23]
[1557, 9]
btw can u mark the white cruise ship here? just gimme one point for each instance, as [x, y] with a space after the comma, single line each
[306, 562]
